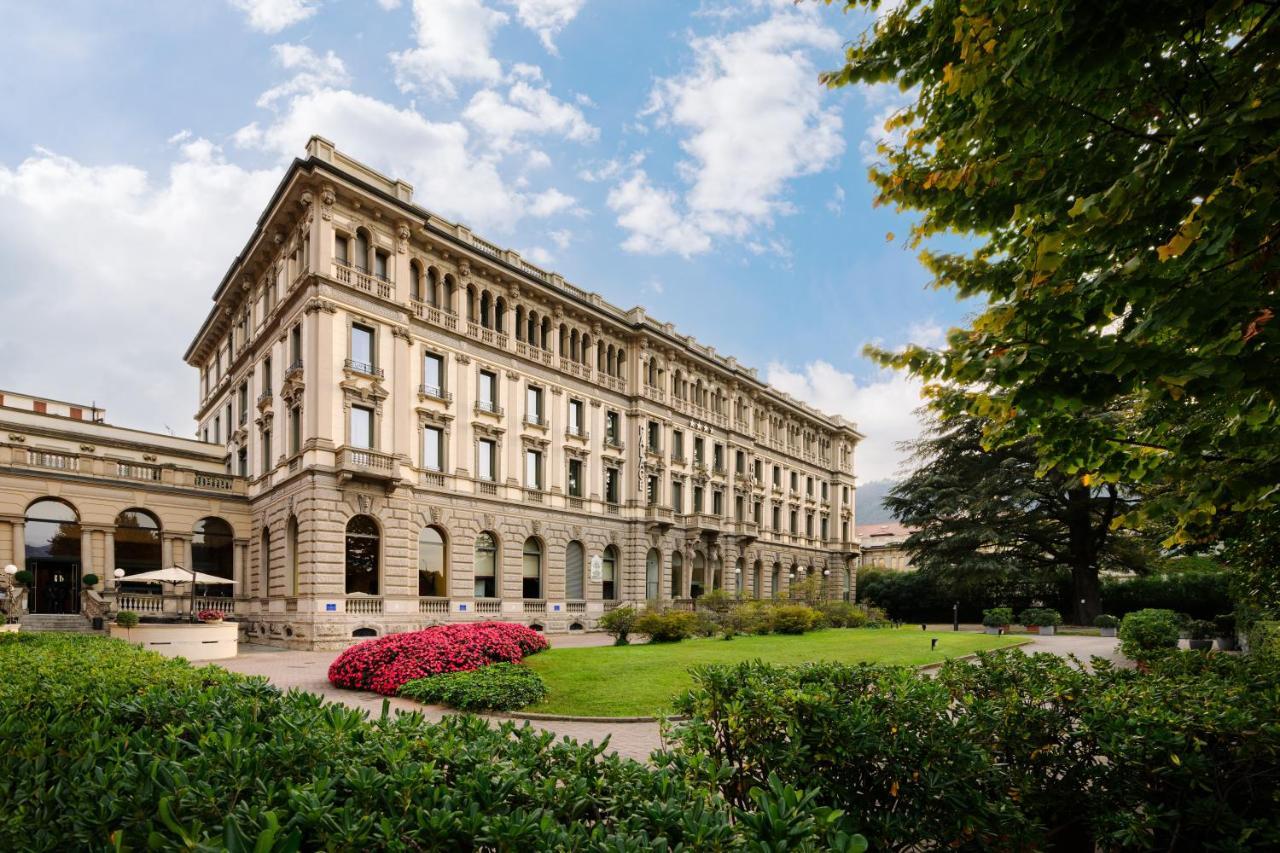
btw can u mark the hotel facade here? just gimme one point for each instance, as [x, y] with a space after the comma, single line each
[401, 424]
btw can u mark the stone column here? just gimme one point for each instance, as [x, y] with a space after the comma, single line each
[108, 559]
[20, 544]
[237, 565]
[86, 552]
[463, 381]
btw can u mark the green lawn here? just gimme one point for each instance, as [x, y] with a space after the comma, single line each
[621, 681]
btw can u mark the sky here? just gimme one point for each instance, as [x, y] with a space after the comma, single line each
[675, 154]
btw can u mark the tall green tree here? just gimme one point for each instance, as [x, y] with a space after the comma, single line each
[988, 517]
[1117, 163]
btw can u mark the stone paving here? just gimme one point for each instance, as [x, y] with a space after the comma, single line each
[308, 671]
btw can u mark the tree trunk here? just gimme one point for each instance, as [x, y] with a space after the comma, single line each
[1085, 589]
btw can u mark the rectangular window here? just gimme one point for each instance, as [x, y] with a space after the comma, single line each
[295, 430]
[844, 498]
[795, 481]
[342, 249]
[795, 522]
[295, 345]
[677, 497]
[380, 265]
[433, 448]
[612, 429]
[361, 427]
[486, 465]
[362, 348]
[575, 478]
[717, 503]
[844, 531]
[758, 471]
[757, 512]
[487, 398]
[533, 405]
[808, 524]
[777, 476]
[229, 421]
[824, 490]
[776, 520]
[612, 483]
[244, 403]
[717, 457]
[740, 462]
[533, 469]
[266, 451]
[739, 508]
[654, 436]
[677, 444]
[698, 455]
[266, 375]
[243, 462]
[808, 486]
[217, 430]
[575, 417]
[697, 499]
[433, 375]
[824, 528]
[651, 491]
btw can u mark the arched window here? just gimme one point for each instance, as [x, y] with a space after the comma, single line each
[291, 546]
[500, 315]
[532, 570]
[432, 568]
[361, 259]
[586, 350]
[433, 287]
[486, 566]
[573, 345]
[363, 545]
[415, 281]
[621, 362]
[739, 576]
[610, 587]
[600, 357]
[653, 575]
[564, 340]
[717, 573]
[531, 333]
[212, 549]
[546, 333]
[698, 582]
[486, 310]
[677, 569]
[450, 293]
[472, 305]
[520, 323]
[757, 580]
[573, 565]
[264, 562]
[52, 551]
[776, 580]
[137, 542]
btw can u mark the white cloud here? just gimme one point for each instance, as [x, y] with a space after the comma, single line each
[272, 16]
[883, 409]
[562, 238]
[539, 256]
[835, 204]
[454, 42]
[927, 334]
[754, 120]
[312, 72]
[650, 218]
[526, 110]
[147, 251]
[389, 4]
[436, 157]
[551, 202]
[610, 169]
[547, 17]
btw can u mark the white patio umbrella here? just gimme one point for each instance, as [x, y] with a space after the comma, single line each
[176, 575]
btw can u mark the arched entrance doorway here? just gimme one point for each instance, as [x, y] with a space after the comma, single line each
[53, 557]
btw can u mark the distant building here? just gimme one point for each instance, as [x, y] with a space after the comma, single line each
[882, 546]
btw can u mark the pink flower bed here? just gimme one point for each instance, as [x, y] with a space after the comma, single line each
[384, 664]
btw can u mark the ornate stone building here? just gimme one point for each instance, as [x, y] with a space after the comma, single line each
[422, 426]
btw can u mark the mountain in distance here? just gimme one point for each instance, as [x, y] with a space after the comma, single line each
[868, 508]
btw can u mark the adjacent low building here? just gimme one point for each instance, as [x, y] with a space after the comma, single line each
[401, 423]
[882, 546]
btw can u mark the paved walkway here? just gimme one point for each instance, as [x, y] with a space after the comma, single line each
[309, 671]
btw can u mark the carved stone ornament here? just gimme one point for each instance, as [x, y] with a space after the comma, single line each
[363, 502]
[19, 439]
[148, 457]
[463, 358]
[489, 520]
[306, 199]
[515, 292]
[536, 527]
[402, 244]
[435, 514]
[464, 270]
[402, 333]
[289, 504]
[87, 448]
[576, 531]
[327, 199]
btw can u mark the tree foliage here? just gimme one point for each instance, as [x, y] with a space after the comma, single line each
[990, 517]
[1118, 164]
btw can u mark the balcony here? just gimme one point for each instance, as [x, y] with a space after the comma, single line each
[659, 516]
[535, 421]
[363, 368]
[535, 606]
[361, 280]
[435, 315]
[488, 407]
[360, 604]
[578, 433]
[435, 392]
[433, 606]
[294, 368]
[702, 521]
[748, 531]
[356, 463]
[612, 443]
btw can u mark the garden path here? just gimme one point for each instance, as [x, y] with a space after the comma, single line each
[309, 671]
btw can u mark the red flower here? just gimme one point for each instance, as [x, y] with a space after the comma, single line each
[384, 664]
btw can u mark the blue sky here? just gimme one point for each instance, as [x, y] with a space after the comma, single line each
[679, 155]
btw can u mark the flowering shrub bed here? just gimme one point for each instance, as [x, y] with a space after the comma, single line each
[211, 615]
[384, 664]
[496, 687]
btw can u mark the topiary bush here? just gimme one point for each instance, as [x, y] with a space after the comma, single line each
[795, 619]
[1040, 616]
[496, 687]
[104, 746]
[384, 664]
[619, 623]
[1146, 632]
[1106, 620]
[90, 580]
[997, 617]
[670, 626]
[127, 619]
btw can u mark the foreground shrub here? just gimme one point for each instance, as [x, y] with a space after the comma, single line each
[619, 623]
[1145, 632]
[104, 746]
[668, 626]
[496, 687]
[1009, 752]
[384, 664]
[842, 614]
[795, 619]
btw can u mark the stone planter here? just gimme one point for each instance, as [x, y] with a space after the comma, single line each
[199, 641]
[996, 630]
[1048, 630]
[1106, 632]
[1224, 644]
[1032, 629]
[9, 628]
[1199, 645]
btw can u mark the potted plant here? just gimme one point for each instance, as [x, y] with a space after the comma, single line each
[996, 620]
[1224, 629]
[1048, 620]
[213, 616]
[1200, 634]
[1106, 625]
[89, 581]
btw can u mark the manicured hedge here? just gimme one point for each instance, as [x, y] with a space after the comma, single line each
[104, 746]
[496, 687]
[1011, 752]
[384, 664]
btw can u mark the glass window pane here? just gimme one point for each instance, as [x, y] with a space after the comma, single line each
[362, 344]
[432, 372]
[432, 442]
[361, 427]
